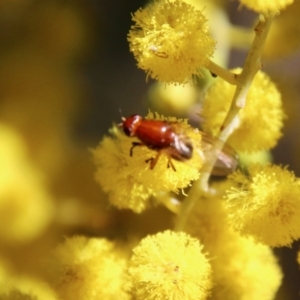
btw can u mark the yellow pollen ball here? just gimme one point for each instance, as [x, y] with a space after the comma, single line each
[170, 41]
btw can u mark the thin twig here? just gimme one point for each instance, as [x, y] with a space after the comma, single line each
[243, 82]
[251, 67]
[222, 73]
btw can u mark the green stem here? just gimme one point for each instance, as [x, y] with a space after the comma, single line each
[251, 67]
[243, 81]
[198, 188]
[222, 73]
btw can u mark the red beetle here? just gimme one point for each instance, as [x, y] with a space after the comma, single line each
[163, 137]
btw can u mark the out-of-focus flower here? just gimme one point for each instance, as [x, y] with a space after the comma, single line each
[249, 272]
[28, 80]
[170, 265]
[129, 180]
[208, 221]
[266, 6]
[260, 121]
[219, 25]
[241, 268]
[26, 207]
[89, 268]
[19, 287]
[26, 288]
[170, 41]
[287, 21]
[173, 100]
[265, 205]
[4, 271]
[261, 157]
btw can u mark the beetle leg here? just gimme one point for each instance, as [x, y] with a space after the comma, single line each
[169, 152]
[134, 144]
[153, 160]
[170, 164]
[149, 160]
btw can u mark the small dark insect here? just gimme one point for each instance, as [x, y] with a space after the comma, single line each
[163, 137]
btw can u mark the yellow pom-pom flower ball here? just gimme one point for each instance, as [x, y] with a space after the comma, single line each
[170, 41]
[89, 268]
[260, 121]
[265, 205]
[266, 6]
[170, 265]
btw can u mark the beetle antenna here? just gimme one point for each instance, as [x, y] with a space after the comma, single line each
[121, 113]
[122, 118]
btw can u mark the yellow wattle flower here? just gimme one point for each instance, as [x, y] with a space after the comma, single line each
[89, 268]
[26, 205]
[25, 288]
[171, 99]
[241, 268]
[170, 265]
[266, 6]
[265, 205]
[260, 121]
[287, 21]
[170, 41]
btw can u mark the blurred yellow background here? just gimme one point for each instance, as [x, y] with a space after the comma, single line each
[65, 75]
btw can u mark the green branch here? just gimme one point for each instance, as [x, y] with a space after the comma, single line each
[243, 82]
[251, 67]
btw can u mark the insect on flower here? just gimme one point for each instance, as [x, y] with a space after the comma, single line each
[164, 138]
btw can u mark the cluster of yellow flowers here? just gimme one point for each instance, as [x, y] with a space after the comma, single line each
[221, 244]
[261, 206]
[136, 183]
